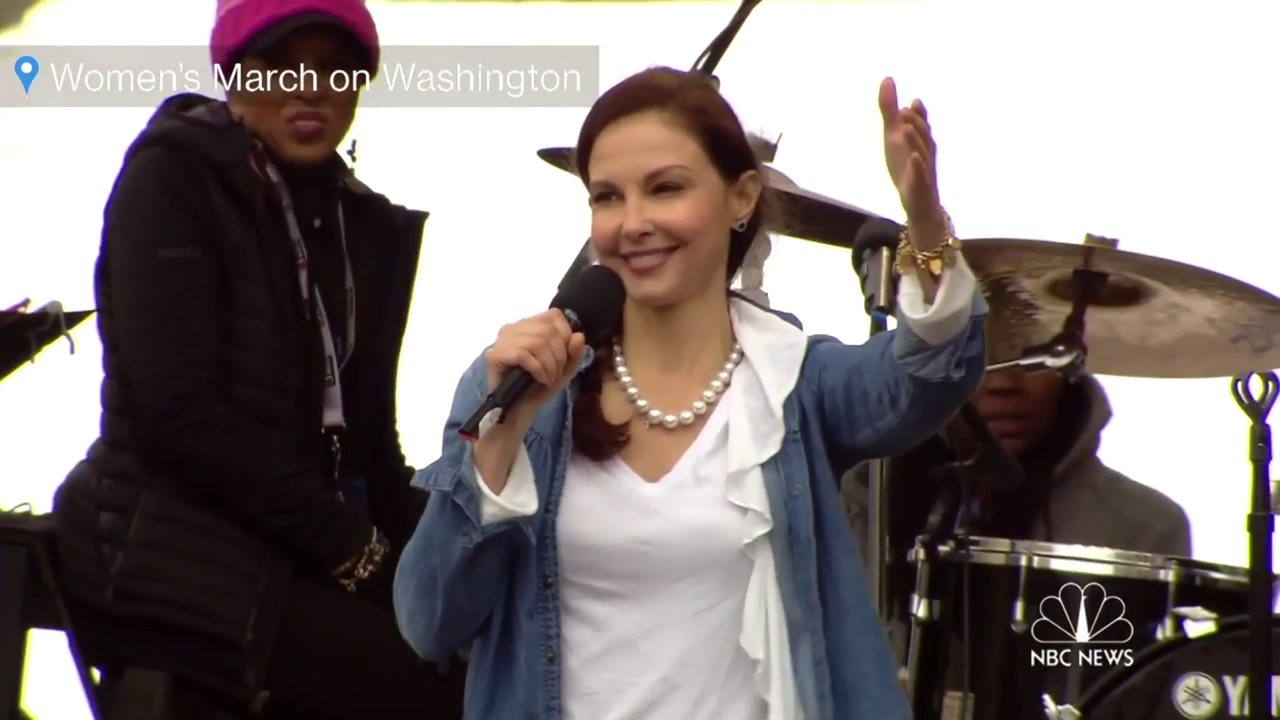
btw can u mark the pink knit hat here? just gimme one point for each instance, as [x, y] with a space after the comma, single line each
[239, 23]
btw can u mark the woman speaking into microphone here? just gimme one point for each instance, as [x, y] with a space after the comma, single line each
[657, 532]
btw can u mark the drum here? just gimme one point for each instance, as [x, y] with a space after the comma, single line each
[1185, 679]
[1037, 571]
[1055, 618]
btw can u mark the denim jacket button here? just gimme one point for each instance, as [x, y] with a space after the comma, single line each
[551, 656]
[548, 580]
[795, 489]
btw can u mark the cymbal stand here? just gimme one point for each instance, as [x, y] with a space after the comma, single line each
[1261, 527]
[927, 657]
[582, 261]
[710, 58]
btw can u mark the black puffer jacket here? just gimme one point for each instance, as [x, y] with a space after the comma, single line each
[209, 483]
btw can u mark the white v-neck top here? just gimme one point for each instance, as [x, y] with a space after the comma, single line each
[669, 597]
[657, 569]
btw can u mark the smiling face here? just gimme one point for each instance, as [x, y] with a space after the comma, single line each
[661, 213]
[301, 117]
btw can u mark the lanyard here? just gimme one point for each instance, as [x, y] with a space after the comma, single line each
[335, 357]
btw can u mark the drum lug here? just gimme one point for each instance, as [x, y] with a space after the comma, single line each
[1172, 627]
[1054, 711]
[1019, 622]
[923, 610]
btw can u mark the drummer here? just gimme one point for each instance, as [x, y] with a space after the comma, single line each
[1053, 426]
[1068, 495]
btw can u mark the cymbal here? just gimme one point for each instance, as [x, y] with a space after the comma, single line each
[1156, 318]
[806, 215]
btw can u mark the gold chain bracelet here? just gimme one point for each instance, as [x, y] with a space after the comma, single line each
[357, 570]
[931, 261]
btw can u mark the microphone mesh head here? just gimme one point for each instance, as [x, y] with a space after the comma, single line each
[595, 297]
[874, 234]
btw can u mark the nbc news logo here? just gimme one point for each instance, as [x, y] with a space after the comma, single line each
[1081, 627]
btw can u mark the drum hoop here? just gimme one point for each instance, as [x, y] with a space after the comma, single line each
[1107, 684]
[1040, 548]
[1091, 560]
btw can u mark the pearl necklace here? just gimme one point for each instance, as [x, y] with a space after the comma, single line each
[653, 416]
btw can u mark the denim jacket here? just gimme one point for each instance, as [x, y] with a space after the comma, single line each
[492, 589]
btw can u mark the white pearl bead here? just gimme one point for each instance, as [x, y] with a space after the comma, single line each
[700, 407]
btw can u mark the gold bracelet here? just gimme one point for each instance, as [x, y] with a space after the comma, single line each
[369, 562]
[932, 261]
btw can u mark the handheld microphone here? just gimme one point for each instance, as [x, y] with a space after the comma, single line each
[592, 304]
[1004, 469]
[874, 248]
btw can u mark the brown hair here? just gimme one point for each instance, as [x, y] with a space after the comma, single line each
[691, 100]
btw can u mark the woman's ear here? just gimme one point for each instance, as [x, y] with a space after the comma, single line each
[744, 194]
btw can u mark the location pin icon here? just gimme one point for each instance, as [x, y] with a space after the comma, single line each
[26, 68]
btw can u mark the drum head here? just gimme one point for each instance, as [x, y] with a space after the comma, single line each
[1188, 679]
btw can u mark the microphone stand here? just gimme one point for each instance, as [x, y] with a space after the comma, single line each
[927, 658]
[878, 515]
[1261, 526]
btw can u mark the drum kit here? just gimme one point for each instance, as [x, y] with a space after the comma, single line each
[1064, 308]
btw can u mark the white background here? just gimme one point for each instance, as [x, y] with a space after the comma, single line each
[1149, 122]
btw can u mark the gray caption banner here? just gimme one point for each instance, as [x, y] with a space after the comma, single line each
[553, 76]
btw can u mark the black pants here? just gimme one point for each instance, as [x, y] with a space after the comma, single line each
[337, 655]
[355, 667]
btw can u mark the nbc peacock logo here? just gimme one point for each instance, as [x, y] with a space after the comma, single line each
[1081, 626]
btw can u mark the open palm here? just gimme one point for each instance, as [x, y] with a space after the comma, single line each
[910, 153]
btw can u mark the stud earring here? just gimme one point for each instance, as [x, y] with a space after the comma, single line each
[740, 226]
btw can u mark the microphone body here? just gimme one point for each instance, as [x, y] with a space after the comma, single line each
[592, 305]
[874, 250]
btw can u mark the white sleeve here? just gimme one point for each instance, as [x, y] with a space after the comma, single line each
[519, 497]
[947, 317]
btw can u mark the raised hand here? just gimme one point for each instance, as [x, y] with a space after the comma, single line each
[910, 156]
